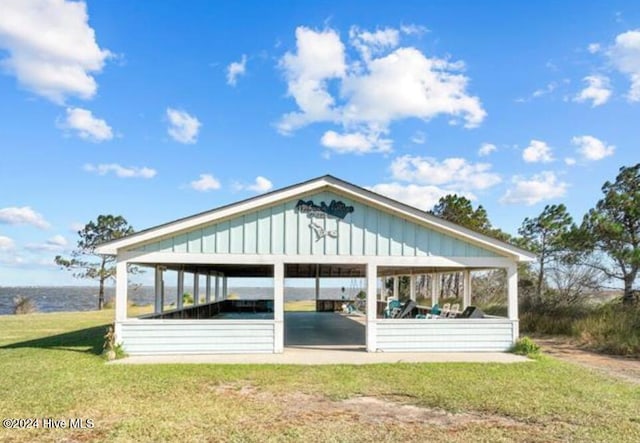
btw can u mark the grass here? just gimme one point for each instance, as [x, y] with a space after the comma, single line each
[611, 328]
[51, 368]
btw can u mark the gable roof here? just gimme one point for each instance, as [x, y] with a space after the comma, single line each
[326, 182]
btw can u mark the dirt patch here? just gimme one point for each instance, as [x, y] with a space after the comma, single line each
[366, 409]
[563, 348]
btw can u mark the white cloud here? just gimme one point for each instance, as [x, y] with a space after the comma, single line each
[537, 151]
[598, 90]
[591, 148]
[486, 149]
[6, 243]
[356, 142]
[594, 48]
[55, 243]
[121, 171]
[235, 70]
[206, 182]
[52, 50]
[413, 29]
[260, 185]
[625, 56]
[22, 216]
[183, 127]
[543, 186]
[319, 57]
[570, 161]
[455, 173]
[421, 197]
[373, 43]
[383, 84]
[419, 138]
[87, 126]
[544, 91]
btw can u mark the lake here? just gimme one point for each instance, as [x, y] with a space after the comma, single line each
[85, 298]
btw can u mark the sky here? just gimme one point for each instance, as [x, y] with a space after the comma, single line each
[159, 110]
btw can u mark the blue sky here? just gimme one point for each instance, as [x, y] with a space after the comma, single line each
[158, 110]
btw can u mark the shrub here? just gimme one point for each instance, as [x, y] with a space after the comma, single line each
[187, 298]
[23, 305]
[525, 346]
[111, 349]
[612, 328]
[109, 304]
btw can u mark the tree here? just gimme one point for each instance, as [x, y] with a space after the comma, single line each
[459, 209]
[612, 228]
[84, 262]
[545, 235]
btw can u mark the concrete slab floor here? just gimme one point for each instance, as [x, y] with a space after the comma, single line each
[330, 356]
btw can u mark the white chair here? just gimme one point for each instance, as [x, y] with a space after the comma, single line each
[455, 310]
[446, 308]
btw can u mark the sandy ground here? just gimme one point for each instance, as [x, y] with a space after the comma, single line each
[627, 369]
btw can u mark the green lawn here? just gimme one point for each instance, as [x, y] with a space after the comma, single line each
[49, 367]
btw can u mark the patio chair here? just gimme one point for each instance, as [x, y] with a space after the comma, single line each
[393, 308]
[455, 310]
[446, 308]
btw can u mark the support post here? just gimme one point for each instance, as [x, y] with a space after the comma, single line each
[372, 307]
[180, 290]
[435, 288]
[218, 296]
[224, 287]
[412, 287]
[466, 288]
[512, 291]
[395, 286]
[159, 290]
[512, 295]
[121, 297]
[196, 288]
[278, 307]
[208, 289]
[317, 284]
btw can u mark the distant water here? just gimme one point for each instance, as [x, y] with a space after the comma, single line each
[85, 298]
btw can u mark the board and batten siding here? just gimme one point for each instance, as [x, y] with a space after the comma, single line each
[280, 229]
[442, 335]
[157, 337]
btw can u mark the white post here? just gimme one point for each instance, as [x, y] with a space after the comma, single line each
[224, 287]
[412, 287]
[317, 283]
[121, 298]
[372, 307]
[159, 290]
[196, 288]
[217, 286]
[278, 307]
[180, 290]
[395, 286]
[512, 291]
[208, 290]
[435, 288]
[466, 288]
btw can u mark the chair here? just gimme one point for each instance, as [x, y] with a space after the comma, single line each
[393, 308]
[455, 310]
[446, 308]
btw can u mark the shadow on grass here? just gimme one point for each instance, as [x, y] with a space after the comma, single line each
[89, 340]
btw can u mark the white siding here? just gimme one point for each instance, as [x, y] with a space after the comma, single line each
[428, 335]
[366, 232]
[156, 337]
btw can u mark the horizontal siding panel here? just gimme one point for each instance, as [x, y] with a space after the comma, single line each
[191, 337]
[444, 336]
